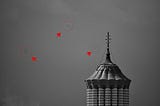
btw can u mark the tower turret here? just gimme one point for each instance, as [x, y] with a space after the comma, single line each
[108, 86]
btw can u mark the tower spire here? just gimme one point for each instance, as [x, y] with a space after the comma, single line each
[108, 59]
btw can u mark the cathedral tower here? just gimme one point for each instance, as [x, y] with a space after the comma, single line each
[108, 86]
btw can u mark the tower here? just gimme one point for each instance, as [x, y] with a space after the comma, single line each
[108, 86]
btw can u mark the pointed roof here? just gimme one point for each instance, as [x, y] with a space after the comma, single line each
[108, 70]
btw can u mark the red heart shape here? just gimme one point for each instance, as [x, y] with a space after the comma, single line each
[89, 53]
[34, 58]
[59, 34]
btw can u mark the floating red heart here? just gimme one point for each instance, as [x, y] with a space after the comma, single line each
[59, 34]
[34, 58]
[89, 53]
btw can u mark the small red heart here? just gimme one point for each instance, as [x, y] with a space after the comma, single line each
[59, 34]
[34, 58]
[89, 53]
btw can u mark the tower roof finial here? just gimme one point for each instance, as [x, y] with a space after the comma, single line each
[108, 59]
[108, 39]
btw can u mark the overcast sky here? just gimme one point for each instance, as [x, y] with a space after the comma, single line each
[29, 27]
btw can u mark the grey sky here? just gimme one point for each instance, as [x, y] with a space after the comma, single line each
[57, 78]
